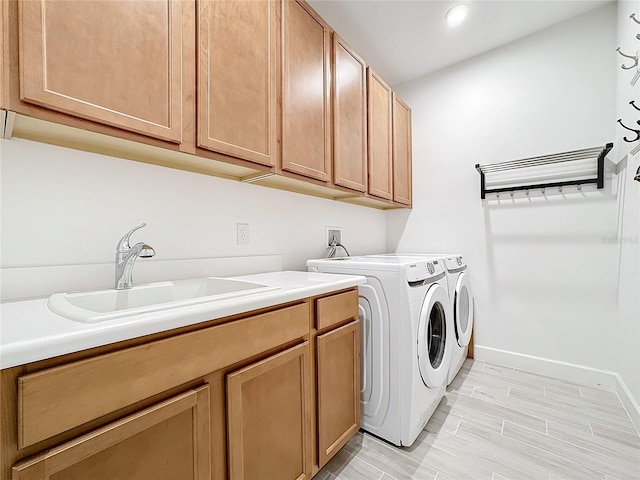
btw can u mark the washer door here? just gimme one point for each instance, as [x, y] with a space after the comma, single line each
[433, 345]
[463, 310]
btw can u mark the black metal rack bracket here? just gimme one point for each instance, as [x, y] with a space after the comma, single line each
[600, 152]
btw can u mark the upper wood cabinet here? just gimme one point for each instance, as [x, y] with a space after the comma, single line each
[306, 126]
[4, 57]
[167, 441]
[229, 88]
[349, 117]
[401, 151]
[237, 78]
[269, 418]
[117, 63]
[379, 136]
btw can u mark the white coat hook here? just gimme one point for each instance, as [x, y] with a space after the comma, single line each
[527, 192]
[511, 194]
[633, 17]
[560, 189]
[634, 58]
[579, 187]
[543, 191]
[498, 196]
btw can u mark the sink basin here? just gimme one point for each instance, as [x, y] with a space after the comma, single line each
[97, 306]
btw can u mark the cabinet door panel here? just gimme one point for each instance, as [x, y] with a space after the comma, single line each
[379, 132]
[401, 151]
[236, 82]
[117, 63]
[349, 117]
[306, 133]
[338, 374]
[269, 418]
[167, 441]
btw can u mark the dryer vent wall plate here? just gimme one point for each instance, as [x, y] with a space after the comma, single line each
[333, 234]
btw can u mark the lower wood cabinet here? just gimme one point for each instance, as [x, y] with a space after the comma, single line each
[269, 418]
[167, 441]
[272, 395]
[338, 379]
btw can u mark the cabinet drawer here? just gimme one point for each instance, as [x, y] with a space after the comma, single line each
[166, 441]
[55, 400]
[336, 308]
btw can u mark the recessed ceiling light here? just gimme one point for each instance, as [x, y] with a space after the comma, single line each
[456, 15]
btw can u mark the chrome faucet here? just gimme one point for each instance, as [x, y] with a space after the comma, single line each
[126, 257]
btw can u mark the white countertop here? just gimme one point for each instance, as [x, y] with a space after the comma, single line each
[29, 331]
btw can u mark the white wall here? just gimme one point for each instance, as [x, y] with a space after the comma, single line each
[67, 207]
[544, 267]
[628, 328]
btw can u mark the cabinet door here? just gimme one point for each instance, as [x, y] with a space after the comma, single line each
[349, 117]
[237, 78]
[401, 151]
[379, 133]
[269, 418]
[167, 441]
[117, 63]
[338, 357]
[306, 133]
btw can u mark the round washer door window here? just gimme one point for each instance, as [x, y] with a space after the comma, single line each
[433, 342]
[463, 310]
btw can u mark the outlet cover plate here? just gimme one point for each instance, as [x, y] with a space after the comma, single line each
[242, 233]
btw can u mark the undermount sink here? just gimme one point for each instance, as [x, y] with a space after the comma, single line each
[97, 306]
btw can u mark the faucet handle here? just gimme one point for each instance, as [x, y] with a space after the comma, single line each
[123, 244]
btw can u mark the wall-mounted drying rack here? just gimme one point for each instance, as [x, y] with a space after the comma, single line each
[559, 170]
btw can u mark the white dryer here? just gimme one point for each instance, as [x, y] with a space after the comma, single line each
[461, 297]
[406, 341]
[462, 301]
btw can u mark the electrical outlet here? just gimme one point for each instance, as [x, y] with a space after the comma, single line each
[243, 233]
[333, 233]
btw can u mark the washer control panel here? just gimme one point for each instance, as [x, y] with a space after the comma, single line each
[422, 271]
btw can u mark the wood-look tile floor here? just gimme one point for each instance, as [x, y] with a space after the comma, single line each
[497, 423]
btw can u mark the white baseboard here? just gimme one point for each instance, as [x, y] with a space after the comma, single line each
[571, 372]
[631, 405]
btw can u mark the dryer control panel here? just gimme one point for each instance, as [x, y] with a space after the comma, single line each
[455, 263]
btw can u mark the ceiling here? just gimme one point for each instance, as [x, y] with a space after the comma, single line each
[403, 40]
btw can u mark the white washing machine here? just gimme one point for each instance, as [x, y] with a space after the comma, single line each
[460, 295]
[406, 341]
